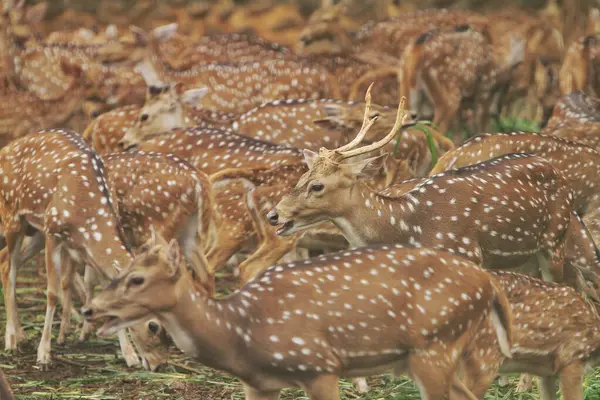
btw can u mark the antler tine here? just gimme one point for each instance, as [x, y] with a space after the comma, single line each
[400, 118]
[366, 125]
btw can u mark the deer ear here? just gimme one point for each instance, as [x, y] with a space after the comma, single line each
[140, 36]
[111, 32]
[367, 168]
[148, 73]
[193, 96]
[174, 256]
[164, 32]
[309, 157]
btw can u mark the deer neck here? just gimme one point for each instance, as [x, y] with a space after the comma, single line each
[205, 328]
[372, 218]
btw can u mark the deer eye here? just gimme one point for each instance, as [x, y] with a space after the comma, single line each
[135, 281]
[316, 187]
[144, 117]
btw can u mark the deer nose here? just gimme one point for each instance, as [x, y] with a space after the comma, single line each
[87, 312]
[414, 114]
[273, 217]
[153, 327]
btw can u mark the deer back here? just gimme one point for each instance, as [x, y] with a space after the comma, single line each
[211, 150]
[576, 161]
[159, 190]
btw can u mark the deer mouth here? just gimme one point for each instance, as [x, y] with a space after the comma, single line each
[113, 324]
[285, 227]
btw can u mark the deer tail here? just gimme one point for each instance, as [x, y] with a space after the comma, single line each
[502, 320]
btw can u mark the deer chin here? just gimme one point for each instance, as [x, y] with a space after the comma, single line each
[290, 227]
[114, 324]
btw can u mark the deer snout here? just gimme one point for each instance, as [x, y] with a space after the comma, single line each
[153, 327]
[87, 312]
[273, 217]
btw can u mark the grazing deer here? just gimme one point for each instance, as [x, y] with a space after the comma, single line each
[555, 336]
[449, 67]
[347, 328]
[237, 87]
[164, 193]
[55, 184]
[332, 190]
[577, 162]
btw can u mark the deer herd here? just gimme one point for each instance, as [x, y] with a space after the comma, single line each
[364, 239]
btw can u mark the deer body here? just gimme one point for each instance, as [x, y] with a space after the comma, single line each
[54, 183]
[367, 217]
[578, 162]
[344, 329]
[211, 149]
[555, 337]
[450, 67]
[162, 192]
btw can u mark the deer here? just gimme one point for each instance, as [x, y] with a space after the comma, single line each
[22, 112]
[367, 217]
[212, 149]
[326, 350]
[576, 161]
[165, 108]
[563, 356]
[220, 48]
[426, 66]
[45, 175]
[237, 87]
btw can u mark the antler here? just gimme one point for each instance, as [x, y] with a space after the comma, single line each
[366, 125]
[400, 119]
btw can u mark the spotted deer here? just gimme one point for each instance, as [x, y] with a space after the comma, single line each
[164, 109]
[339, 309]
[539, 308]
[450, 67]
[237, 87]
[577, 162]
[55, 184]
[211, 149]
[222, 48]
[164, 193]
[22, 112]
[332, 190]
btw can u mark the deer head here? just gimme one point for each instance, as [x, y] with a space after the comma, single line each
[162, 111]
[128, 299]
[319, 194]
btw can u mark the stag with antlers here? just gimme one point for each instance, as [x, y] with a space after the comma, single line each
[459, 210]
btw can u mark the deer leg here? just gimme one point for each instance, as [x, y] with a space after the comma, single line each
[458, 390]
[571, 382]
[14, 332]
[361, 385]
[89, 277]
[67, 300]
[53, 265]
[525, 383]
[253, 394]
[129, 354]
[324, 387]
[547, 387]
